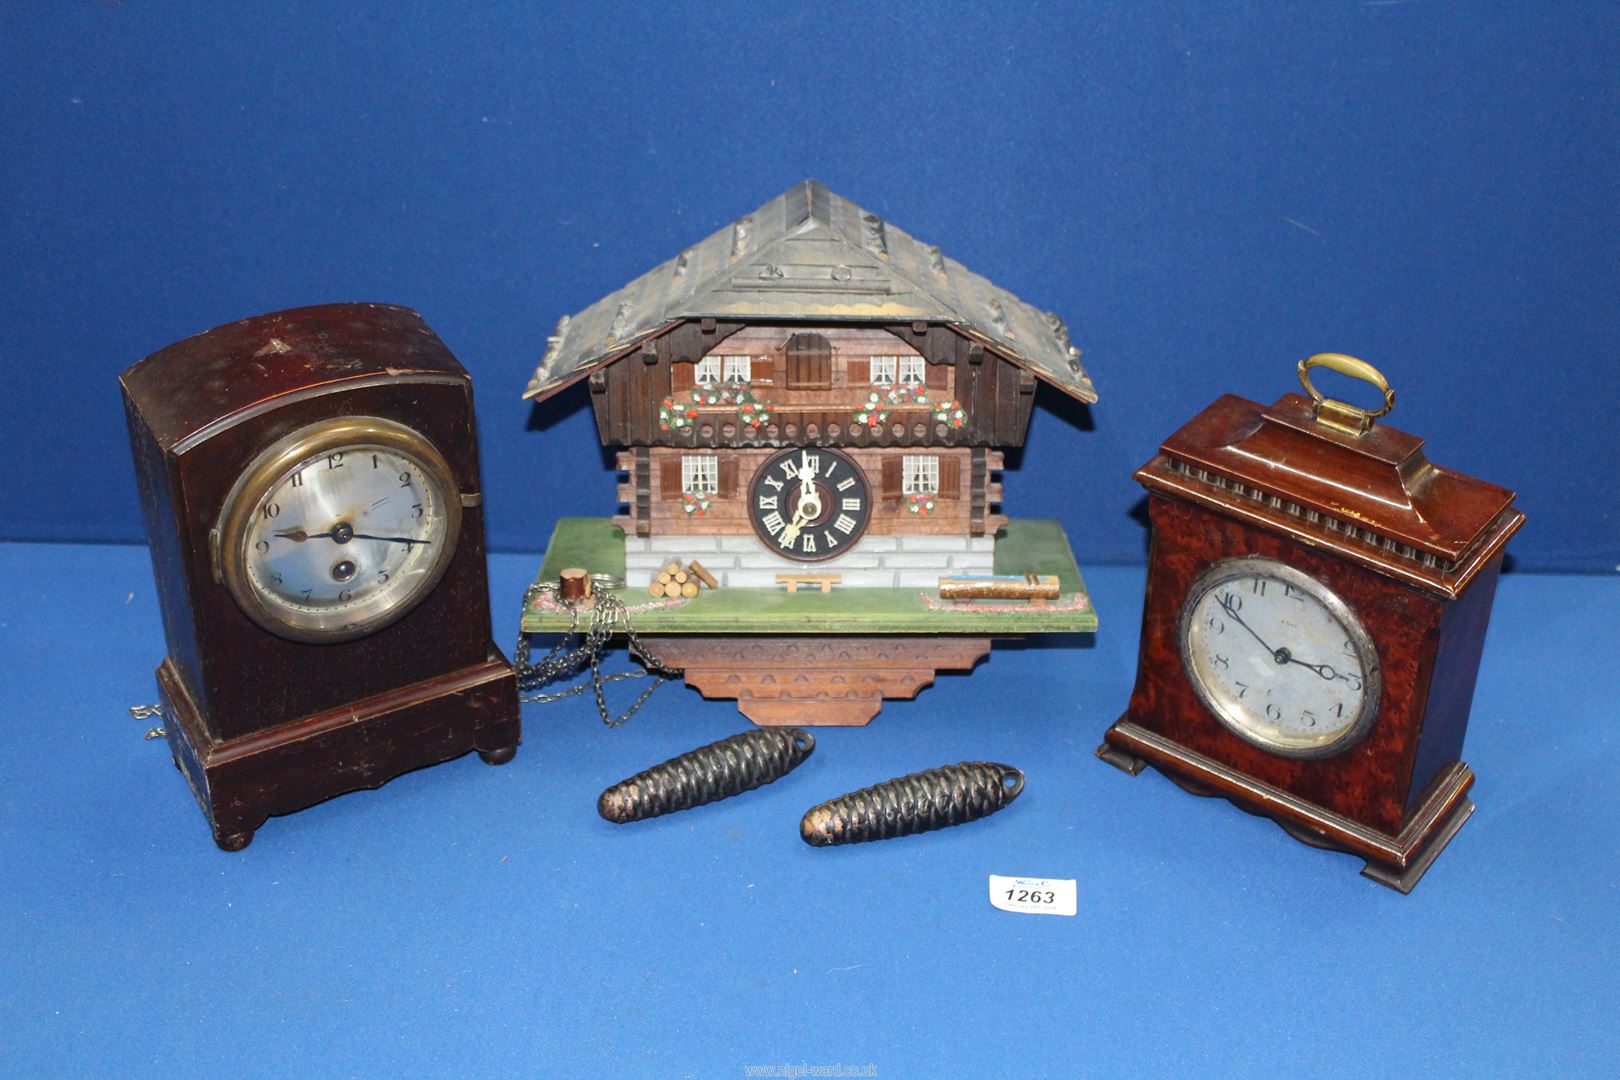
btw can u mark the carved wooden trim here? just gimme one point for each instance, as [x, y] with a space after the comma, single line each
[979, 474]
[641, 512]
[819, 680]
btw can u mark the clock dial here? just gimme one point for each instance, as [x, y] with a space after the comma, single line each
[1279, 658]
[341, 530]
[809, 504]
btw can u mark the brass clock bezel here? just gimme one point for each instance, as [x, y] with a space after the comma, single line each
[1366, 649]
[270, 466]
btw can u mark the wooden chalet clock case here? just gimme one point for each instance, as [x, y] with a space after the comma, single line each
[310, 487]
[814, 396]
[1318, 593]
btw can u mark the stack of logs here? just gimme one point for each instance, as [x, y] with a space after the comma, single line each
[677, 583]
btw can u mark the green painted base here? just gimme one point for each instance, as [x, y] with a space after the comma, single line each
[1023, 546]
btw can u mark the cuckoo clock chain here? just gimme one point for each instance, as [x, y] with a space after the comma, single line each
[567, 658]
[148, 712]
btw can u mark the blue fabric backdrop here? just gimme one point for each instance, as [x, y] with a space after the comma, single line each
[1206, 192]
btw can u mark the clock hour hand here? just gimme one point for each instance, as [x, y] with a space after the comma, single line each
[1327, 671]
[1321, 669]
[809, 505]
[791, 533]
[808, 509]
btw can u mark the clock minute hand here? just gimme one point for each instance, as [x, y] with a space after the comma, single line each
[1283, 655]
[392, 539]
[1226, 606]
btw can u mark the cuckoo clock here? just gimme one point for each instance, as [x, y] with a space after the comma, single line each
[310, 486]
[811, 396]
[1317, 599]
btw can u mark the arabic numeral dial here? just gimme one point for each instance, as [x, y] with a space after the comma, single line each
[1279, 658]
[339, 529]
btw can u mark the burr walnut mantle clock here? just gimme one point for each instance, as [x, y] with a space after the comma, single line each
[310, 486]
[1318, 593]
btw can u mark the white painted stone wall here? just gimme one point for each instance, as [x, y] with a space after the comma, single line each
[877, 562]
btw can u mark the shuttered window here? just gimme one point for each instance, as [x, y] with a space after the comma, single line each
[885, 370]
[911, 370]
[809, 362]
[708, 370]
[736, 368]
[891, 476]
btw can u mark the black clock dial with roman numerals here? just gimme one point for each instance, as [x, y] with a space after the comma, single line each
[809, 503]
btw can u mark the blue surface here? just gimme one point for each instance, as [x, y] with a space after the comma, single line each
[471, 921]
[1207, 192]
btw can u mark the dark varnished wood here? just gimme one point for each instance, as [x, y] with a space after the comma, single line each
[831, 680]
[198, 412]
[1394, 859]
[627, 392]
[1414, 550]
[629, 389]
[1376, 499]
[287, 767]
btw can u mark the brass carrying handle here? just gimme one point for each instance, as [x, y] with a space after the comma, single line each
[1341, 415]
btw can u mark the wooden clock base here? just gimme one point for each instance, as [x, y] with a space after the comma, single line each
[1397, 861]
[826, 680]
[243, 781]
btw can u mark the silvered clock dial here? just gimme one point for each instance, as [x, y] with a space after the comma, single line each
[1279, 658]
[338, 529]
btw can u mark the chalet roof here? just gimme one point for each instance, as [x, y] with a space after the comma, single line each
[811, 254]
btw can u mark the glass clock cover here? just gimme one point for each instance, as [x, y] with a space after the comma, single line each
[339, 529]
[1279, 658]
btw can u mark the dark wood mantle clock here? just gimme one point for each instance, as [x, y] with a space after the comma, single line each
[310, 486]
[1318, 593]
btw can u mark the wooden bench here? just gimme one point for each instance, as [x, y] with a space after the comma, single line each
[793, 581]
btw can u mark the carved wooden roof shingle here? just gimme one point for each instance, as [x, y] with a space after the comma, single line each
[809, 254]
